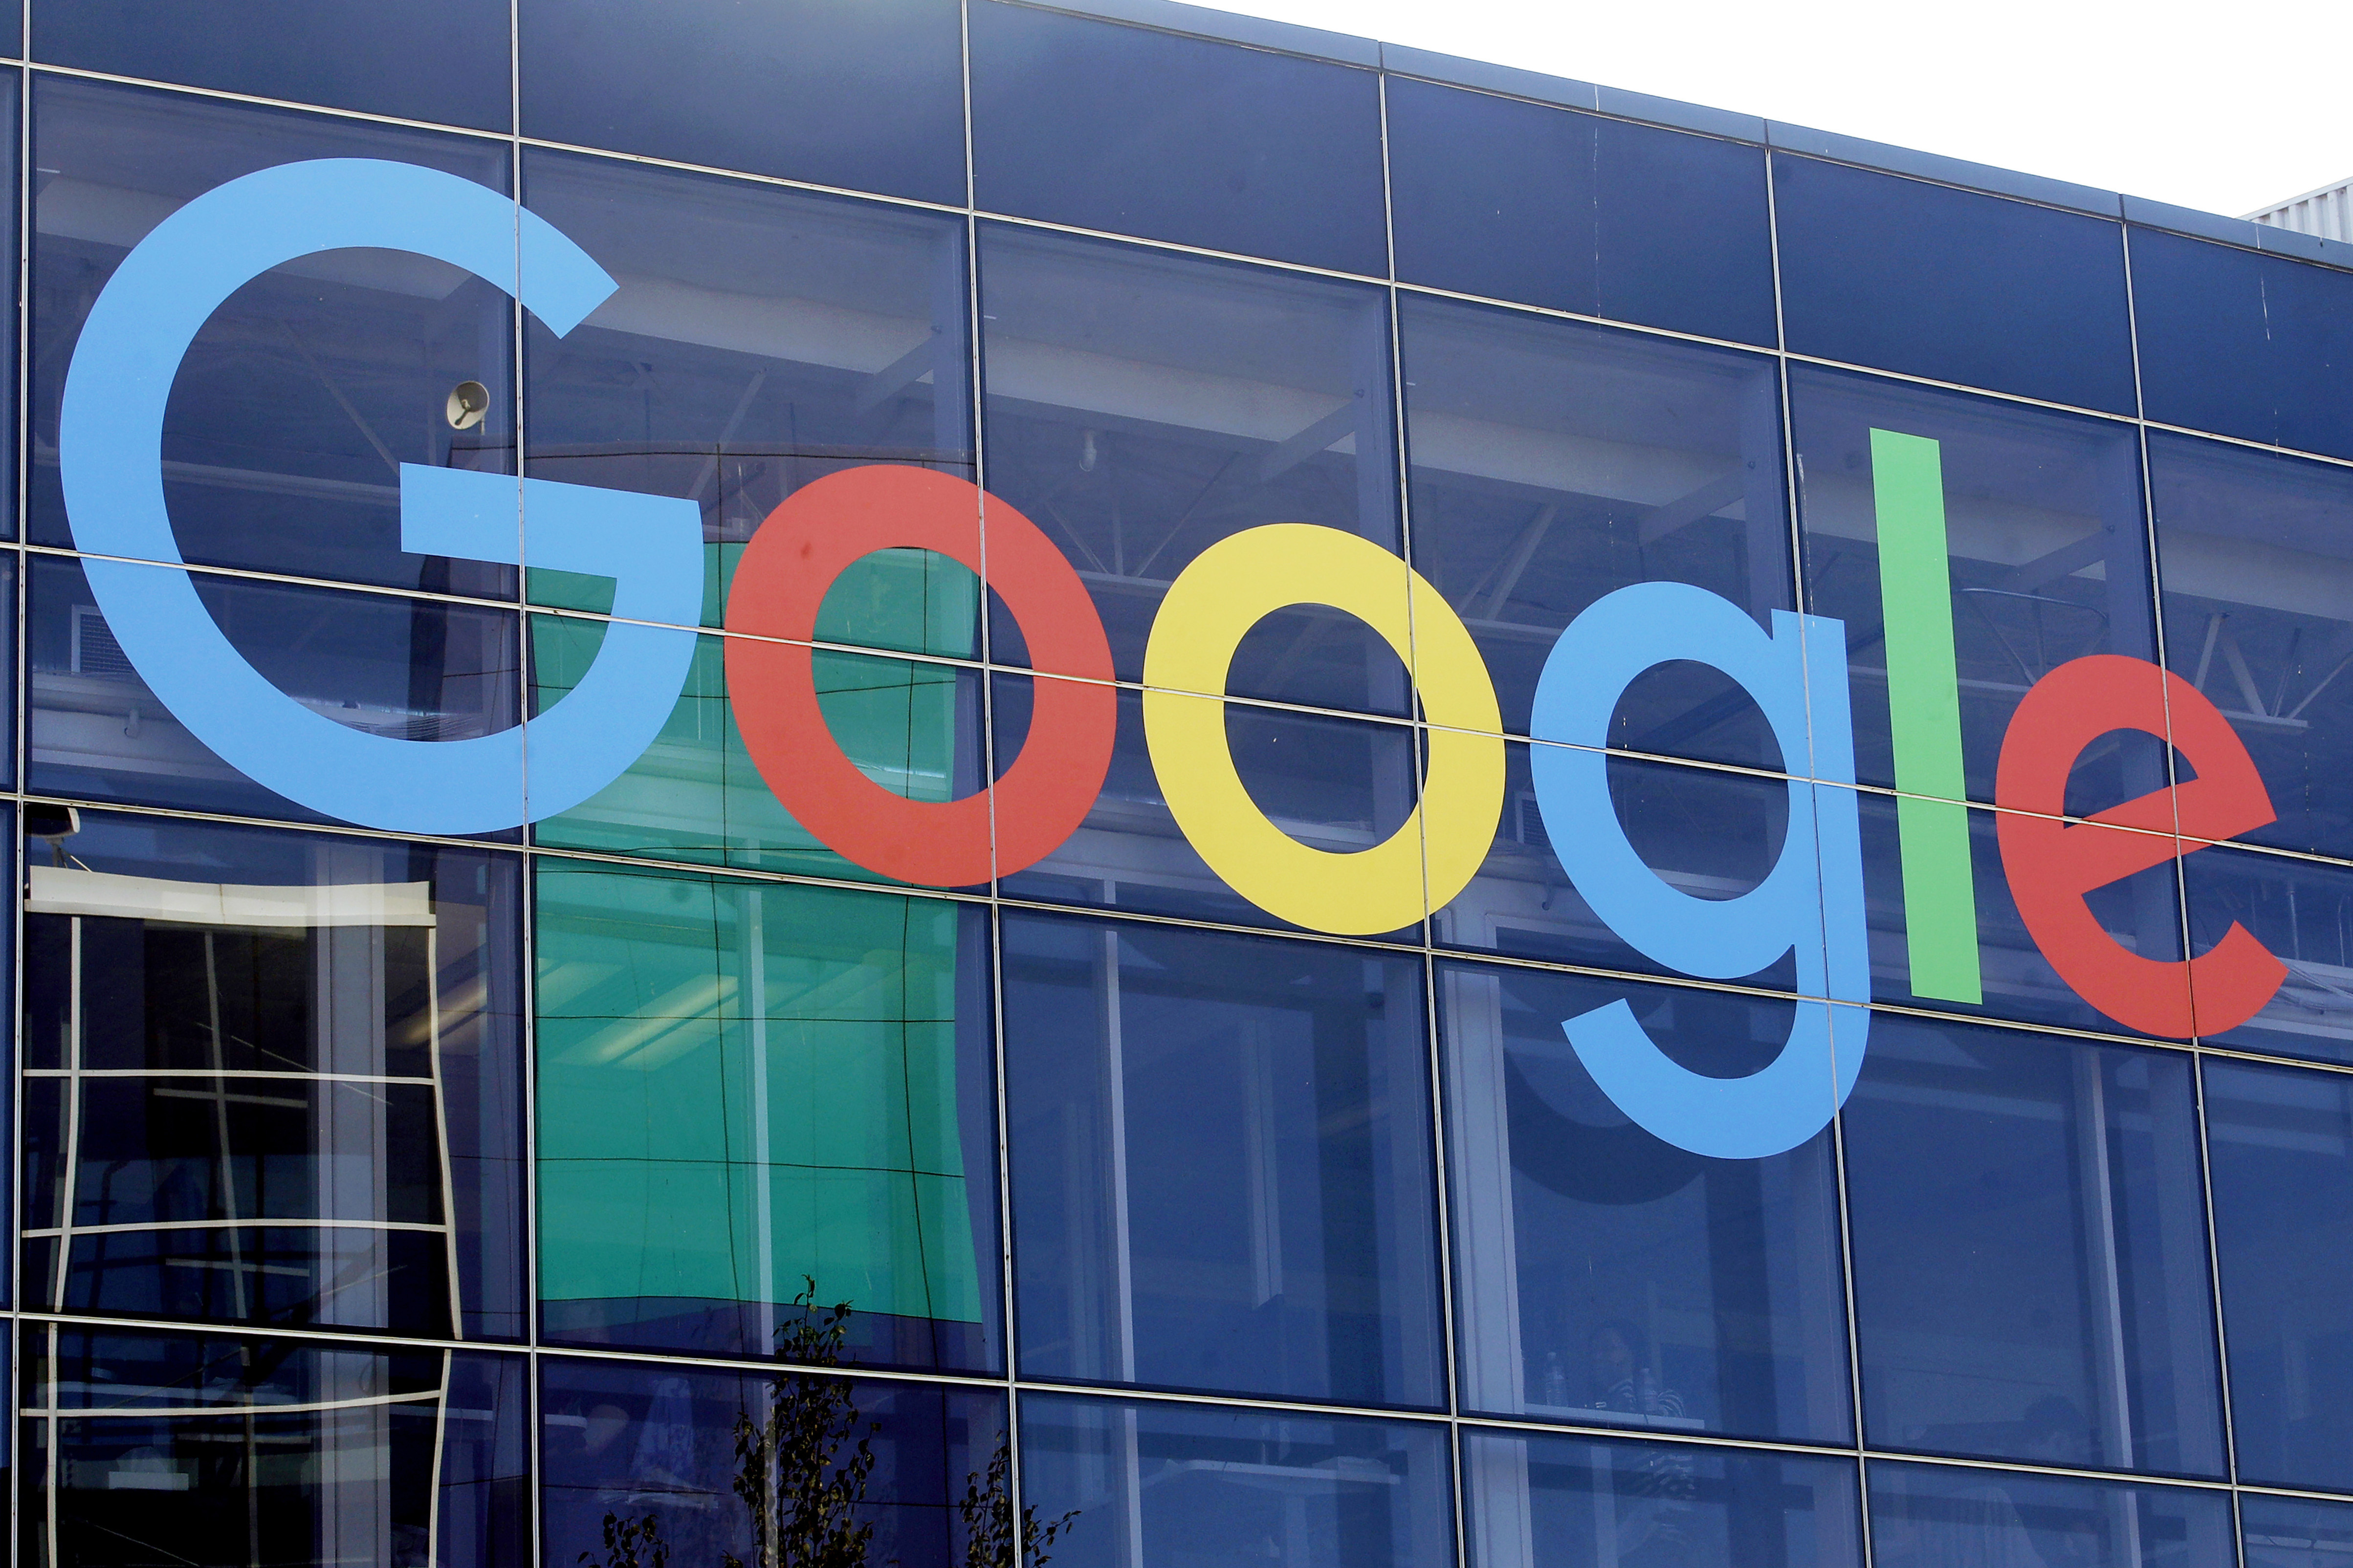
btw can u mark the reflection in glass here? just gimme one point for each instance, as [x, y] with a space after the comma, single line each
[2294, 1532]
[1925, 1516]
[1554, 462]
[271, 1078]
[760, 338]
[1564, 1502]
[1606, 1278]
[2302, 911]
[1221, 1162]
[1141, 406]
[635, 1445]
[2030, 1276]
[1154, 1484]
[176, 1448]
[2049, 559]
[748, 1091]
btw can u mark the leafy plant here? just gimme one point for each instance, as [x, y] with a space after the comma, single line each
[802, 1471]
[632, 1545]
[990, 1539]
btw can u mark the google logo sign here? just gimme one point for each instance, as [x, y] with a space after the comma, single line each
[1810, 904]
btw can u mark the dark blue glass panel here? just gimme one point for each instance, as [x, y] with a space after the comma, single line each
[1953, 285]
[656, 1445]
[760, 338]
[444, 60]
[1709, 834]
[2048, 556]
[1573, 1503]
[2141, 913]
[1221, 1162]
[168, 962]
[1196, 1483]
[2280, 1146]
[2243, 344]
[1551, 463]
[1337, 784]
[339, 1450]
[2294, 1532]
[1141, 406]
[1930, 1516]
[2255, 559]
[2301, 912]
[2028, 1238]
[1518, 200]
[408, 668]
[1605, 1277]
[837, 92]
[1109, 127]
[306, 391]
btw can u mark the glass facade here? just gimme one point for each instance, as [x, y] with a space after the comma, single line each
[1377, 814]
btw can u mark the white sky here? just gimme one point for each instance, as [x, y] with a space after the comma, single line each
[2223, 106]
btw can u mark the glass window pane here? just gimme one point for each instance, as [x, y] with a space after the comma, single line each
[1551, 463]
[2301, 912]
[760, 338]
[1953, 285]
[2045, 549]
[425, 59]
[1603, 1277]
[272, 1077]
[1142, 406]
[2294, 1532]
[1520, 201]
[171, 1448]
[837, 92]
[2243, 344]
[1141, 1483]
[1569, 1503]
[745, 1087]
[2254, 560]
[1109, 127]
[653, 1448]
[2029, 1238]
[304, 394]
[1928, 1516]
[2280, 1143]
[409, 669]
[1221, 1162]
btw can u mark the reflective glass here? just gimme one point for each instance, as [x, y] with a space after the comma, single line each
[272, 1077]
[2257, 570]
[683, 1455]
[2045, 549]
[2243, 344]
[2141, 914]
[2294, 1532]
[2028, 1226]
[839, 92]
[2280, 1145]
[1221, 1162]
[1109, 127]
[1337, 784]
[760, 338]
[1573, 1503]
[1142, 406]
[1144, 1483]
[1520, 201]
[174, 1448]
[1606, 1278]
[758, 1101]
[438, 59]
[304, 394]
[2301, 912]
[1929, 1516]
[694, 794]
[1953, 285]
[415, 669]
[1554, 462]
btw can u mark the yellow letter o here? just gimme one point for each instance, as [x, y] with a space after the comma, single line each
[1213, 604]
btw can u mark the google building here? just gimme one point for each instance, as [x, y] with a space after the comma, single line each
[958, 783]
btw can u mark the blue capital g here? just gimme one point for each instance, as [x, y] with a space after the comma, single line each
[110, 453]
[1810, 902]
